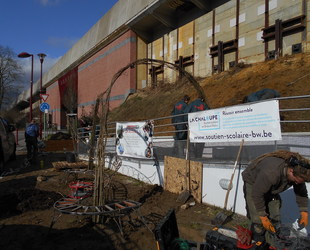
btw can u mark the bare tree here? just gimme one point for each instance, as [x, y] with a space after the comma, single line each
[10, 73]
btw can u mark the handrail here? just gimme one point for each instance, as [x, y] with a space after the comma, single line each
[169, 124]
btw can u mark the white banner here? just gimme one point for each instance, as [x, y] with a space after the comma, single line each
[134, 139]
[251, 122]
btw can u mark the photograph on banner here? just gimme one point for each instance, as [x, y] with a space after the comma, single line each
[251, 122]
[135, 139]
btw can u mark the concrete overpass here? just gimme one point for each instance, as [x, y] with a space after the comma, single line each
[150, 19]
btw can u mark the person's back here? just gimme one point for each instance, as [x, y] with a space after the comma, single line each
[262, 94]
[179, 123]
[269, 94]
[179, 108]
[31, 134]
[32, 130]
[265, 179]
[197, 105]
[196, 149]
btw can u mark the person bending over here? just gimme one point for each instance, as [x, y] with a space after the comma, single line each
[264, 179]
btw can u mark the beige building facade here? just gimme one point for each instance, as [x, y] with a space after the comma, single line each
[240, 26]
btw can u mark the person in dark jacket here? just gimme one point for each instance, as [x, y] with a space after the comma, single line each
[180, 125]
[197, 105]
[196, 149]
[264, 179]
[262, 94]
[31, 139]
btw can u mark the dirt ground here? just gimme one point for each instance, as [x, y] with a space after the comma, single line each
[26, 212]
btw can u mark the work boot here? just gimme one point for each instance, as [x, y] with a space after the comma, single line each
[258, 232]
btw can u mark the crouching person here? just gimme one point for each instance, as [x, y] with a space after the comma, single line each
[264, 179]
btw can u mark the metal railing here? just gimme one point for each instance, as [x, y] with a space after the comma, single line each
[164, 131]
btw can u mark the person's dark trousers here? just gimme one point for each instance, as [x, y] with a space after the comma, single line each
[180, 140]
[32, 148]
[273, 206]
[180, 146]
[199, 147]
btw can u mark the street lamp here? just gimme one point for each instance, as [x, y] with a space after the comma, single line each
[26, 55]
[41, 56]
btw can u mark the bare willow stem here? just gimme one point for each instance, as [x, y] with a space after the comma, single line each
[102, 108]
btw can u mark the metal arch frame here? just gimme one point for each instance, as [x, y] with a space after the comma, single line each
[103, 102]
[170, 65]
[114, 211]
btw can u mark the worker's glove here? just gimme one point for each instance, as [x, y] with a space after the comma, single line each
[303, 220]
[267, 224]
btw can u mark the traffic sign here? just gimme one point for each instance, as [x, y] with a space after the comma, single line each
[44, 97]
[44, 106]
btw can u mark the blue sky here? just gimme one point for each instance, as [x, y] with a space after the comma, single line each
[47, 26]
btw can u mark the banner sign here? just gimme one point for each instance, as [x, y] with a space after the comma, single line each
[135, 139]
[251, 122]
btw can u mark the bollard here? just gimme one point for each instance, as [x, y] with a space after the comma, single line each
[41, 164]
[16, 136]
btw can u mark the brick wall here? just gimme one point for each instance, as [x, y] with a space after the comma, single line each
[95, 74]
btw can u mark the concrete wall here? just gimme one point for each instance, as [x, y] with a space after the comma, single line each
[286, 10]
[203, 40]
[157, 53]
[170, 47]
[251, 46]
[141, 69]
[223, 30]
[186, 43]
[197, 37]
[215, 170]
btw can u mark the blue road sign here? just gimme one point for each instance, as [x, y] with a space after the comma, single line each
[44, 106]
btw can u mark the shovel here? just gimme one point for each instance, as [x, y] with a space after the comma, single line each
[223, 217]
[184, 196]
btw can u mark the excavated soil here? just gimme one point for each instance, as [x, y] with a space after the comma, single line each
[289, 76]
[29, 193]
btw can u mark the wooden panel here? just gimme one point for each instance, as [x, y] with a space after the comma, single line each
[58, 145]
[175, 176]
[196, 180]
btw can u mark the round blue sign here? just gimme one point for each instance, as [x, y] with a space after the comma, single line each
[44, 106]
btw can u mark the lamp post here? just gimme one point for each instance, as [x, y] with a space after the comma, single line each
[41, 56]
[26, 55]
